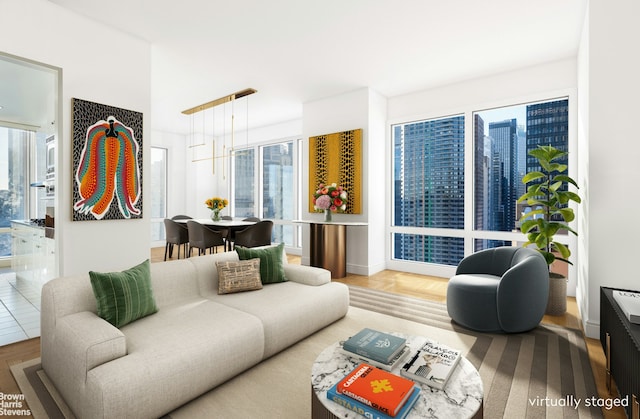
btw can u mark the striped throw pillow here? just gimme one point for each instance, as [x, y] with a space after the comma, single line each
[123, 297]
[271, 269]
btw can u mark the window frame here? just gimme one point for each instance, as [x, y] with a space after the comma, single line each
[469, 234]
[160, 220]
[258, 147]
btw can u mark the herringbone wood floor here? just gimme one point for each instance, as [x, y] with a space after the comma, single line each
[420, 286]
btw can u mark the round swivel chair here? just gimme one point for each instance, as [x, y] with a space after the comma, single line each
[504, 290]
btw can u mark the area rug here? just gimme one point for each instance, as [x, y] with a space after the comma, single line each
[542, 373]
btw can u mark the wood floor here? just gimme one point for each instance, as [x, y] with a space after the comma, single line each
[420, 286]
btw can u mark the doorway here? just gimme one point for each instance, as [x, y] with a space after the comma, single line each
[29, 95]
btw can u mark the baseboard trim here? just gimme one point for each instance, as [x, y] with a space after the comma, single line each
[591, 329]
[353, 268]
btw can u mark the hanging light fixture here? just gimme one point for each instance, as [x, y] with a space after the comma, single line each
[201, 109]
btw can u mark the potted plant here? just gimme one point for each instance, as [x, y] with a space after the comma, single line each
[548, 196]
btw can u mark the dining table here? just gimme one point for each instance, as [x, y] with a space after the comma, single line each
[228, 225]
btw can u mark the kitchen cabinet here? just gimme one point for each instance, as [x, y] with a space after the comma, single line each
[33, 253]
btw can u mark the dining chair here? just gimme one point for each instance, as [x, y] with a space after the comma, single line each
[230, 233]
[175, 234]
[256, 235]
[226, 217]
[203, 238]
[181, 217]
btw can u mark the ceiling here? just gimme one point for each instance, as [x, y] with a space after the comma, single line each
[296, 51]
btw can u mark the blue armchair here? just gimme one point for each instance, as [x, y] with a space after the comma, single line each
[504, 289]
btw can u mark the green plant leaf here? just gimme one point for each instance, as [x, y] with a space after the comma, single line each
[573, 196]
[565, 178]
[562, 249]
[526, 226]
[567, 214]
[548, 256]
[555, 186]
[557, 167]
[532, 176]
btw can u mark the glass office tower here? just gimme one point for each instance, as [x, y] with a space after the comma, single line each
[429, 188]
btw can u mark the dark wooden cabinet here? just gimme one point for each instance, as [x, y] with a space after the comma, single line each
[621, 343]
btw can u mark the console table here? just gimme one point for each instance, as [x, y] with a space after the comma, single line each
[620, 340]
[329, 245]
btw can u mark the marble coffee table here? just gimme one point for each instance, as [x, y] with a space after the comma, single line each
[461, 397]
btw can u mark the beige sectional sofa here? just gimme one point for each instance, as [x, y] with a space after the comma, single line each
[197, 340]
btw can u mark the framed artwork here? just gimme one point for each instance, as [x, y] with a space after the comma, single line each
[337, 158]
[107, 162]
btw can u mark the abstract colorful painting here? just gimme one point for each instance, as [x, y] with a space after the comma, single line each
[107, 162]
[337, 158]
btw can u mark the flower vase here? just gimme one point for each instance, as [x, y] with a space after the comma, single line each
[215, 215]
[327, 215]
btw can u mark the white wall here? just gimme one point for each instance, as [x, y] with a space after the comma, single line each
[582, 292]
[497, 90]
[41, 31]
[614, 150]
[364, 109]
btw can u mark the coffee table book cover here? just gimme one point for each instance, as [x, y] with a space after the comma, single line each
[377, 388]
[368, 411]
[432, 364]
[379, 346]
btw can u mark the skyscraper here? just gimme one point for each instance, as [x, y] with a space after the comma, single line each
[429, 188]
[504, 174]
[547, 124]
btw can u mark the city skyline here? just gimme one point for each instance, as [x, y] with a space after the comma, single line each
[429, 160]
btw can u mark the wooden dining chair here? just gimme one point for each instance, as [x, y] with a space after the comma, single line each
[203, 238]
[175, 234]
[256, 235]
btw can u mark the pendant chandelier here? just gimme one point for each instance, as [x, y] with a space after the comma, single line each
[201, 119]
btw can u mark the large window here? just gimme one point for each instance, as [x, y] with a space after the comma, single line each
[244, 183]
[439, 214]
[502, 140]
[278, 199]
[429, 189]
[158, 192]
[274, 167]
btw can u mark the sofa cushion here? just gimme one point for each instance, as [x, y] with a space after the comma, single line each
[271, 269]
[123, 297]
[239, 276]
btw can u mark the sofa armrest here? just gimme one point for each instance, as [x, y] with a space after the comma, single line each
[307, 275]
[87, 341]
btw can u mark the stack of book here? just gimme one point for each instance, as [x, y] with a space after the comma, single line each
[375, 393]
[379, 349]
[629, 303]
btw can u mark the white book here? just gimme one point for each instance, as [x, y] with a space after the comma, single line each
[387, 367]
[432, 364]
[629, 303]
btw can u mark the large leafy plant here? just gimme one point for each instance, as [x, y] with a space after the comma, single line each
[548, 196]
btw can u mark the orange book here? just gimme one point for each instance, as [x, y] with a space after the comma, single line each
[377, 388]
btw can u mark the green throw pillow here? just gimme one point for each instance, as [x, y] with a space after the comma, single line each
[123, 297]
[271, 269]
